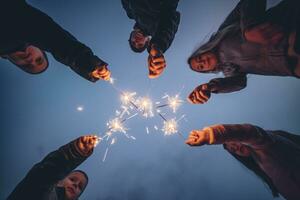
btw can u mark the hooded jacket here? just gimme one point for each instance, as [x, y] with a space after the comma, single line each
[238, 57]
[23, 24]
[276, 152]
[40, 181]
[157, 18]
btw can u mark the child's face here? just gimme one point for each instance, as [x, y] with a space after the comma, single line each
[74, 185]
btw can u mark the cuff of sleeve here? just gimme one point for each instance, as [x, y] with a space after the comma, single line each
[215, 133]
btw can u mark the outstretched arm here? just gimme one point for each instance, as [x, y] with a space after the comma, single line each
[202, 93]
[228, 84]
[48, 35]
[247, 13]
[54, 167]
[220, 134]
[167, 27]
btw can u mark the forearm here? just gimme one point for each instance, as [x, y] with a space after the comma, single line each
[61, 44]
[166, 30]
[247, 13]
[242, 133]
[54, 167]
[228, 84]
[252, 13]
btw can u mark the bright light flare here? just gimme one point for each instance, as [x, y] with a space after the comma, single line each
[127, 98]
[170, 127]
[145, 105]
[174, 102]
[79, 108]
[115, 125]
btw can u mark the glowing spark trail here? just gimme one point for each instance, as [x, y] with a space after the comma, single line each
[170, 127]
[127, 98]
[145, 105]
[115, 125]
[173, 102]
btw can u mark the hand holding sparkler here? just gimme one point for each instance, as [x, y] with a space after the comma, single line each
[101, 72]
[200, 94]
[85, 144]
[156, 62]
[197, 138]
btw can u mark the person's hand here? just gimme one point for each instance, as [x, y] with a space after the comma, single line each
[265, 34]
[101, 72]
[156, 63]
[197, 138]
[86, 144]
[200, 94]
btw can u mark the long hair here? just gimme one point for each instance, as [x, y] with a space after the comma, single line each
[251, 164]
[213, 42]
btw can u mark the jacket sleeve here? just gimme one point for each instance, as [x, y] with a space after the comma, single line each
[167, 27]
[247, 13]
[125, 4]
[228, 84]
[53, 168]
[243, 133]
[66, 49]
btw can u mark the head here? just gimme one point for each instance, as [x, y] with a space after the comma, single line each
[244, 156]
[138, 41]
[31, 59]
[204, 63]
[74, 184]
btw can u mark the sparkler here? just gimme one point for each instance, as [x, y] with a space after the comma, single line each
[145, 105]
[116, 125]
[170, 127]
[173, 102]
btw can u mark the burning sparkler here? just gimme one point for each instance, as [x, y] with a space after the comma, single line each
[173, 102]
[145, 105]
[116, 125]
[127, 98]
[170, 127]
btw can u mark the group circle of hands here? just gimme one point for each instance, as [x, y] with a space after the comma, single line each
[264, 34]
[156, 65]
[86, 144]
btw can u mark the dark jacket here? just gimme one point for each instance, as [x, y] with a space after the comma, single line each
[157, 18]
[40, 181]
[238, 57]
[277, 153]
[23, 24]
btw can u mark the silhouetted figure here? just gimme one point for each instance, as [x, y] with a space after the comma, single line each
[274, 156]
[26, 33]
[251, 40]
[53, 178]
[156, 23]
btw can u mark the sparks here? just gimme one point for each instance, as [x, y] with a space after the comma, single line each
[116, 125]
[111, 80]
[170, 127]
[79, 108]
[113, 141]
[127, 98]
[145, 105]
[174, 102]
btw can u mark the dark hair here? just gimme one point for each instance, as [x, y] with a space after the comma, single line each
[250, 163]
[132, 46]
